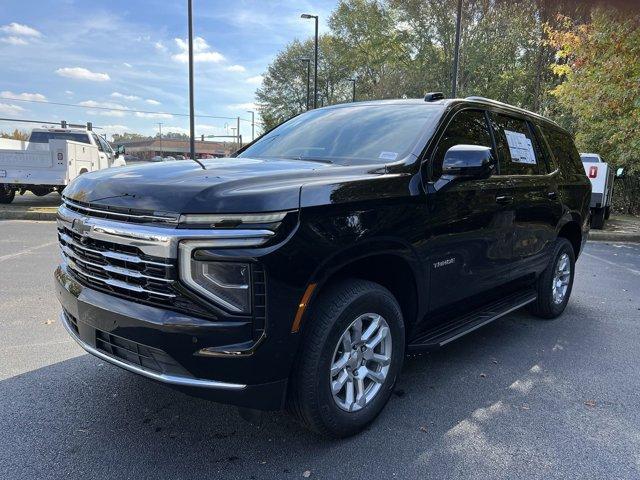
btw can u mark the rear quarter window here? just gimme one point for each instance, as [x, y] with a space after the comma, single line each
[564, 150]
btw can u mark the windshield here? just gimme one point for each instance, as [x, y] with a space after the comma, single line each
[589, 159]
[44, 137]
[380, 133]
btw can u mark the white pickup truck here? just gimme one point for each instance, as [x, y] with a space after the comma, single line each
[602, 177]
[50, 159]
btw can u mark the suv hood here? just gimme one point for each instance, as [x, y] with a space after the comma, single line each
[228, 185]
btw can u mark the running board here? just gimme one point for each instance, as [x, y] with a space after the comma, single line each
[442, 334]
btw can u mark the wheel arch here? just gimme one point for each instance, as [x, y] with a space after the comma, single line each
[569, 228]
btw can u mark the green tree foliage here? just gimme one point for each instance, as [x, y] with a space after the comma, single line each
[598, 62]
[15, 135]
[127, 136]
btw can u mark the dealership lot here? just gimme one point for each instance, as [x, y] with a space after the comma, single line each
[520, 398]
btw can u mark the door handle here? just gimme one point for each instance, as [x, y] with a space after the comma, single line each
[502, 199]
[552, 195]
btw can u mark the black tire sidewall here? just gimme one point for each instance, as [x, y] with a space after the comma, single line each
[557, 308]
[339, 421]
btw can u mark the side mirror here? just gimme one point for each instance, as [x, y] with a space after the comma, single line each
[620, 173]
[120, 150]
[468, 161]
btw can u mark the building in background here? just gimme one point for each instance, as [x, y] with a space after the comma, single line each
[149, 148]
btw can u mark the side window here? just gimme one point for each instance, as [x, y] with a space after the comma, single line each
[97, 142]
[105, 146]
[468, 127]
[519, 152]
[564, 150]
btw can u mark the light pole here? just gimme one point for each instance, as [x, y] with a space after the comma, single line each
[315, 60]
[456, 53]
[253, 123]
[307, 60]
[353, 95]
[192, 126]
[160, 133]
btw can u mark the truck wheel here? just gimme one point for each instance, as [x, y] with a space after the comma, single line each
[351, 354]
[607, 213]
[6, 194]
[597, 218]
[555, 283]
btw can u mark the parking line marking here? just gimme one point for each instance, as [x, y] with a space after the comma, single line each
[632, 270]
[27, 250]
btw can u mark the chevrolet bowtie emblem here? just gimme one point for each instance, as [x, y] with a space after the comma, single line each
[81, 226]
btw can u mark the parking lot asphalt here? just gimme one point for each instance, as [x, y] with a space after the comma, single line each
[520, 398]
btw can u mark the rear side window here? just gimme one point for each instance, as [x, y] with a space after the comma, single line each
[468, 127]
[519, 152]
[563, 149]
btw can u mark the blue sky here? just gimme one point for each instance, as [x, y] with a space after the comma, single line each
[131, 55]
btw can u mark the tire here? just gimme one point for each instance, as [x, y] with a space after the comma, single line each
[337, 310]
[6, 195]
[607, 213]
[546, 306]
[597, 218]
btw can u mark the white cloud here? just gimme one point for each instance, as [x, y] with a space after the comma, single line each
[21, 30]
[160, 47]
[12, 40]
[235, 68]
[124, 97]
[93, 103]
[257, 80]
[69, 92]
[151, 101]
[243, 106]
[111, 129]
[153, 115]
[128, 65]
[107, 113]
[80, 73]
[8, 109]
[23, 96]
[201, 52]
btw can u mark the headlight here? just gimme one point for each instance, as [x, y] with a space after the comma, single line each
[227, 284]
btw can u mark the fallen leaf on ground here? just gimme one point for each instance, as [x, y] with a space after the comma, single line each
[590, 403]
[306, 473]
[423, 429]
[483, 375]
[48, 322]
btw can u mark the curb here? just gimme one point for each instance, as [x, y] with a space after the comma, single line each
[27, 215]
[613, 237]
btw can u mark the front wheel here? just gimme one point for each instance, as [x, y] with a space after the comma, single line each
[351, 354]
[6, 194]
[555, 283]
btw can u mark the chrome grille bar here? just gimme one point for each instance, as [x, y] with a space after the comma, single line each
[121, 216]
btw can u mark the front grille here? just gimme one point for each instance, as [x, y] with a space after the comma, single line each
[117, 268]
[121, 214]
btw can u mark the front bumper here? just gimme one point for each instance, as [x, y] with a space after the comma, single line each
[166, 346]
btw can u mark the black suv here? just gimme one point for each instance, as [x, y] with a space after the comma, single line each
[298, 273]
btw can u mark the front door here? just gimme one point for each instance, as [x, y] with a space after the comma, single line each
[469, 244]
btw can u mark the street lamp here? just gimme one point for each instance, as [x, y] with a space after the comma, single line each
[315, 59]
[253, 123]
[192, 127]
[353, 95]
[307, 60]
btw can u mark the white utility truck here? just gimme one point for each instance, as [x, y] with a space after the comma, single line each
[601, 175]
[51, 158]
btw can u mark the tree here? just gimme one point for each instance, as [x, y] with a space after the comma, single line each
[127, 136]
[599, 68]
[15, 135]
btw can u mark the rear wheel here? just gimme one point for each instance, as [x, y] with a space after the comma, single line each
[351, 354]
[597, 218]
[6, 194]
[555, 283]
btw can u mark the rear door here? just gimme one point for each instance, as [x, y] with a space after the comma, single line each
[533, 196]
[469, 250]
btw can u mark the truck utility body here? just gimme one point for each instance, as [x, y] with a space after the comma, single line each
[50, 159]
[602, 176]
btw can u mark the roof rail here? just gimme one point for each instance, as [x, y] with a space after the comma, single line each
[506, 105]
[433, 96]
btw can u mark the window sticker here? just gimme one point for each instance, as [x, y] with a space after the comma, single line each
[520, 147]
[388, 155]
